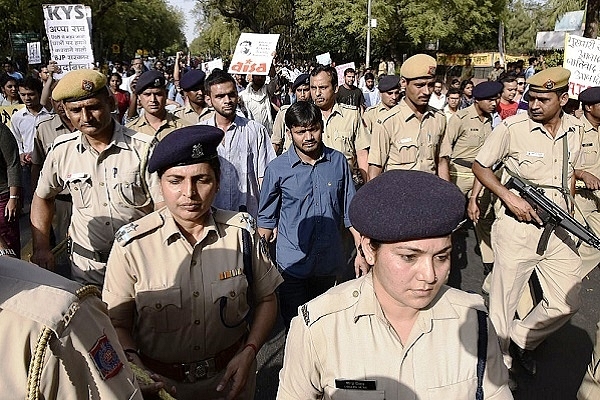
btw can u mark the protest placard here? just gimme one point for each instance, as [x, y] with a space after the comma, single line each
[6, 113]
[582, 58]
[209, 66]
[340, 71]
[68, 29]
[324, 59]
[34, 53]
[254, 54]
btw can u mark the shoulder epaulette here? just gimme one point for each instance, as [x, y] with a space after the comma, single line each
[137, 135]
[241, 220]
[135, 229]
[47, 120]
[516, 119]
[464, 299]
[67, 137]
[461, 113]
[338, 298]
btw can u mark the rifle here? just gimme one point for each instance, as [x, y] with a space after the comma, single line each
[551, 215]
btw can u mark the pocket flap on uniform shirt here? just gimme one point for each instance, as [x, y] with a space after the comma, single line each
[159, 299]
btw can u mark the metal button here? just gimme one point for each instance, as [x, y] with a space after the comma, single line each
[107, 223]
[197, 322]
[158, 306]
[101, 183]
[196, 294]
[76, 188]
[355, 293]
[232, 293]
[104, 204]
[194, 262]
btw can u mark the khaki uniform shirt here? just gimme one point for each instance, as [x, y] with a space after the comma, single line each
[344, 334]
[590, 149]
[529, 151]
[372, 115]
[466, 133]
[170, 123]
[171, 290]
[280, 136]
[45, 133]
[106, 187]
[344, 131]
[83, 359]
[401, 141]
[188, 114]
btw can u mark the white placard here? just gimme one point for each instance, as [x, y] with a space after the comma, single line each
[324, 59]
[209, 66]
[340, 71]
[34, 53]
[582, 58]
[68, 29]
[254, 54]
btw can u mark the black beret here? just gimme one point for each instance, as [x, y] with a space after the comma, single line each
[150, 79]
[302, 79]
[388, 82]
[486, 90]
[192, 79]
[401, 205]
[185, 146]
[590, 95]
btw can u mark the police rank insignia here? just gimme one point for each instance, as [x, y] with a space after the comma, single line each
[197, 151]
[105, 358]
[549, 84]
[157, 82]
[86, 85]
[123, 233]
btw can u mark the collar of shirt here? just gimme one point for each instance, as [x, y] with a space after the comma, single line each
[565, 126]
[472, 113]
[24, 111]
[118, 139]
[587, 126]
[294, 158]
[408, 113]
[213, 122]
[172, 233]
[165, 122]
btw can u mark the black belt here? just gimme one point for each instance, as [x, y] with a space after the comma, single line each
[98, 256]
[462, 162]
[64, 197]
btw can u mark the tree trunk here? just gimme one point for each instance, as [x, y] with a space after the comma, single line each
[591, 19]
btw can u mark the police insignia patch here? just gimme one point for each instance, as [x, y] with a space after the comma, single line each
[122, 234]
[86, 85]
[105, 358]
[431, 70]
[549, 84]
[305, 314]
[197, 151]
[157, 82]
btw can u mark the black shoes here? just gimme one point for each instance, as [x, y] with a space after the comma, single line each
[524, 358]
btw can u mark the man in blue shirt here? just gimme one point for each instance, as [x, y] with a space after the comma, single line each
[304, 202]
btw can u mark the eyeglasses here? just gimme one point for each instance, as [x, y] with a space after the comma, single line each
[520, 83]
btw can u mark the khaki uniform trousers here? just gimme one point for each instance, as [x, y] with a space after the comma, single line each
[205, 389]
[463, 178]
[588, 203]
[590, 387]
[558, 270]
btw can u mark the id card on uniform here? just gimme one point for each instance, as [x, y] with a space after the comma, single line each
[356, 384]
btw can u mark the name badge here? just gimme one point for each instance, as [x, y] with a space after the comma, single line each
[535, 154]
[406, 140]
[351, 384]
[587, 144]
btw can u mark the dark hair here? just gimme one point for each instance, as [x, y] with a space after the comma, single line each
[349, 71]
[452, 90]
[532, 60]
[369, 75]
[217, 77]
[117, 75]
[329, 70]
[303, 113]
[508, 79]
[32, 83]
[464, 84]
[5, 78]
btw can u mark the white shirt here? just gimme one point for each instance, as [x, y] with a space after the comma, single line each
[23, 125]
[258, 104]
[372, 96]
[438, 102]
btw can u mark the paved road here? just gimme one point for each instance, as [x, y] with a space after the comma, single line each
[562, 359]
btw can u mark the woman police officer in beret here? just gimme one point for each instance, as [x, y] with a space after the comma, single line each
[398, 332]
[180, 282]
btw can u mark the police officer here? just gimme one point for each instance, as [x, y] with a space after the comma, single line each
[101, 166]
[410, 136]
[541, 147]
[590, 386]
[466, 133]
[155, 120]
[389, 90]
[398, 332]
[280, 139]
[180, 282]
[588, 184]
[196, 110]
[343, 127]
[59, 342]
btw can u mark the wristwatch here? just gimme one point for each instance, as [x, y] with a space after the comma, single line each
[12, 196]
[8, 252]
